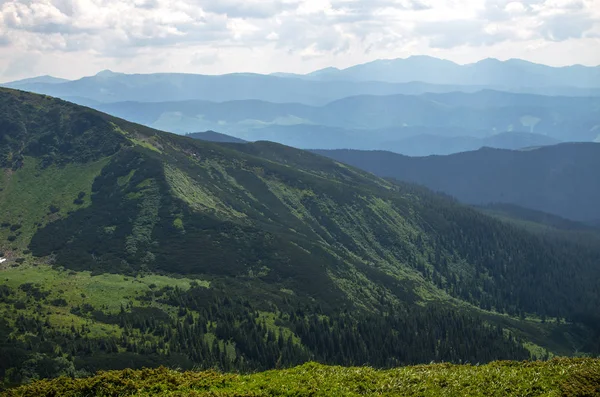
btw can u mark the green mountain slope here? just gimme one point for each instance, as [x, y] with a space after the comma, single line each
[132, 247]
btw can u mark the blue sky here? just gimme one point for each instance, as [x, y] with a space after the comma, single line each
[72, 38]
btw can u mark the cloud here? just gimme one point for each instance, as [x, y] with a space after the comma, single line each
[35, 17]
[371, 5]
[117, 28]
[259, 9]
[566, 26]
[455, 33]
[4, 40]
[318, 36]
[23, 64]
[498, 21]
[110, 27]
[204, 58]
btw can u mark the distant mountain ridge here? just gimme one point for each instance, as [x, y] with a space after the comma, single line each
[426, 145]
[560, 179]
[108, 86]
[422, 143]
[481, 114]
[414, 75]
[46, 79]
[492, 72]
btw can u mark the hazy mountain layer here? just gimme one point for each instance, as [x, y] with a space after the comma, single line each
[352, 121]
[560, 179]
[315, 137]
[511, 73]
[415, 75]
[108, 86]
[35, 80]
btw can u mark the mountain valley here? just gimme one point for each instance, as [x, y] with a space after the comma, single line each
[132, 247]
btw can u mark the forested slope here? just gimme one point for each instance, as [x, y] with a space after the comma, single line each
[131, 247]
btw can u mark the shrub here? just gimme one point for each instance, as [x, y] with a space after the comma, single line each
[60, 302]
[20, 305]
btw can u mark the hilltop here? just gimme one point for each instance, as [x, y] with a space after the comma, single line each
[213, 136]
[131, 247]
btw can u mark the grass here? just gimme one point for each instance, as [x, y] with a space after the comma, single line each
[270, 321]
[197, 196]
[557, 377]
[138, 139]
[107, 292]
[28, 194]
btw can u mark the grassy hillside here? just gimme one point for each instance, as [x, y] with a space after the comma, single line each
[130, 247]
[569, 378]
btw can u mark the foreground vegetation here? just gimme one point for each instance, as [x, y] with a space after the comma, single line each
[558, 377]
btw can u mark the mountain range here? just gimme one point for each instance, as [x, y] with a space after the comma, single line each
[416, 106]
[420, 144]
[425, 145]
[487, 72]
[372, 122]
[108, 86]
[411, 76]
[130, 247]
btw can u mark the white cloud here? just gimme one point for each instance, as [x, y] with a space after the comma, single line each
[71, 38]
[259, 9]
[515, 8]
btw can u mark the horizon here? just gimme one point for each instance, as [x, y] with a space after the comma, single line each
[300, 74]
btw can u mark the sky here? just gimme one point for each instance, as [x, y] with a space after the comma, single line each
[75, 38]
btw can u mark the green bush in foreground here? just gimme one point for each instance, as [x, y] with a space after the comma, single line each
[558, 377]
